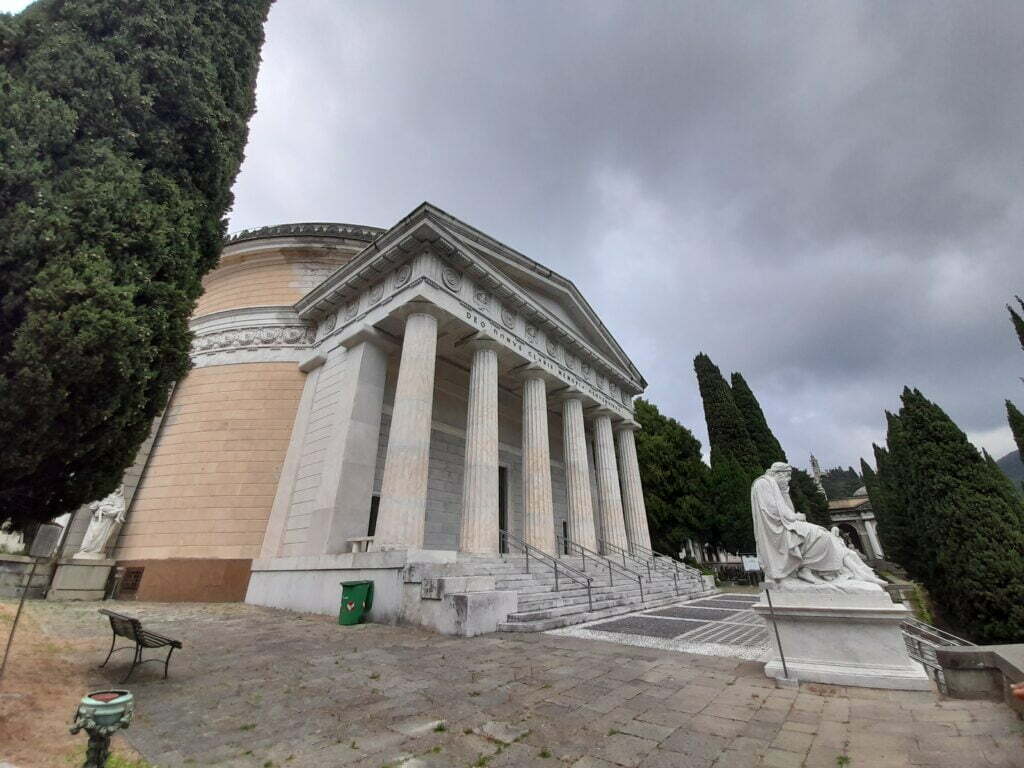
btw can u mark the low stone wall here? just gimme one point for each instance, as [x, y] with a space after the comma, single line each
[14, 573]
[983, 672]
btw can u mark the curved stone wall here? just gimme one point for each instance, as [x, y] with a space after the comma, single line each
[199, 514]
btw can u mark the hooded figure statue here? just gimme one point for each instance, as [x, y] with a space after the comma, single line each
[795, 553]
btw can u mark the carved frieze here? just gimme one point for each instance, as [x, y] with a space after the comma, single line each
[508, 317]
[482, 299]
[254, 337]
[376, 293]
[352, 309]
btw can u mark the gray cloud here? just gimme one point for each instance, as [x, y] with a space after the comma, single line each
[826, 197]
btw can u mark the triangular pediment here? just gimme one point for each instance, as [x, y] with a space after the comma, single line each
[555, 293]
[527, 284]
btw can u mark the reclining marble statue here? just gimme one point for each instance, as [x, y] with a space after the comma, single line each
[832, 620]
[796, 554]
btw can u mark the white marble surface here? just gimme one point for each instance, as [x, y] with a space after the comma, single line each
[577, 475]
[403, 498]
[478, 530]
[538, 511]
[609, 496]
[633, 507]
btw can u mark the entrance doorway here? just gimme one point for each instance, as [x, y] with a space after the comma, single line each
[502, 508]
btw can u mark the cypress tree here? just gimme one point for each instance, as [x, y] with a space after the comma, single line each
[1017, 320]
[122, 128]
[734, 458]
[969, 525]
[1016, 419]
[675, 481]
[808, 499]
[768, 448]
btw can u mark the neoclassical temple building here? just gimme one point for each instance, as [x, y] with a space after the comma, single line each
[383, 405]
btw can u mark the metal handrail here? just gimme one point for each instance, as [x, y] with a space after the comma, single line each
[544, 557]
[923, 641]
[628, 572]
[616, 549]
[654, 555]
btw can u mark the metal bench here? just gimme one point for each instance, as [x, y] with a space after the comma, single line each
[131, 629]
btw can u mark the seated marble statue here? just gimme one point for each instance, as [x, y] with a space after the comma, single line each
[795, 554]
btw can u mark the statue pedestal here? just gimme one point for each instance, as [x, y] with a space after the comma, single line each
[80, 579]
[842, 639]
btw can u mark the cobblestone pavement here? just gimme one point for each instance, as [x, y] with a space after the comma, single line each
[259, 687]
[723, 625]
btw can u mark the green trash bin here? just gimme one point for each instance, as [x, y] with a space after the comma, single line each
[356, 600]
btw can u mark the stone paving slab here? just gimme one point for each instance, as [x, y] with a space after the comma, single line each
[699, 612]
[649, 625]
[256, 687]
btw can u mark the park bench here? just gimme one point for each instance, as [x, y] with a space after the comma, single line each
[131, 629]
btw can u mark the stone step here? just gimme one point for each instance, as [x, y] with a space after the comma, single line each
[558, 606]
[555, 622]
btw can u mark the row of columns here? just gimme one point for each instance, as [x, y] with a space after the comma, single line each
[402, 512]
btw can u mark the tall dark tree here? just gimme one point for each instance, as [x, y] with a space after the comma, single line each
[1014, 416]
[968, 523]
[734, 457]
[1017, 320]
[1016, 419]
[768, 448]
[122, 128]
[802, 489]
[675, 481]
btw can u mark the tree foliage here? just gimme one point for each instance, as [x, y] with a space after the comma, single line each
[735, 460]
[768, 448]
[953, 520]
[675, 479]
[841, 483]
[122, 128]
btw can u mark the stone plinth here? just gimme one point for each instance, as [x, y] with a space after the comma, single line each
[14, 575]
[80, 579]
[842, 639]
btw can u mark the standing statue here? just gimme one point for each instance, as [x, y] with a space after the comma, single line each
[106, 513]
[795, 554]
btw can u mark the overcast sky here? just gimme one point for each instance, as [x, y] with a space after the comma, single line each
[824, 196]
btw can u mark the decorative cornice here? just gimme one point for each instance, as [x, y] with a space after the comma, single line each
[307, 229]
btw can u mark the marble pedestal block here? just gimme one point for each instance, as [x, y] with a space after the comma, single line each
[80, 579]
[842, 639]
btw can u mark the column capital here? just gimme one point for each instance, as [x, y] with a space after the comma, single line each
[627, 425]
[360, 333]
[534, 371]
[568, 393]
[421, 307]
[481, 340]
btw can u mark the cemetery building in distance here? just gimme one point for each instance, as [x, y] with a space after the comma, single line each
[370, 403]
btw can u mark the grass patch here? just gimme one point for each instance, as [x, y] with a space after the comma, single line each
[248, 727]
[544, 753]
[440, 728]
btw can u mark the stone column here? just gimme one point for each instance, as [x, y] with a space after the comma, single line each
[872, 529]
[479, 526]
[538, 510]
[608, 493]
[577, 474]
[632, 490]
[403, 496]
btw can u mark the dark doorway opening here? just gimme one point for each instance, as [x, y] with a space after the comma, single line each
[502, 508]
[371, 529]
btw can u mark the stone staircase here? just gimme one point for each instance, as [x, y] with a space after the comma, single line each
[541, 607]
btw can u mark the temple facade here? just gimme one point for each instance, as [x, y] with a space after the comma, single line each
[362, 400]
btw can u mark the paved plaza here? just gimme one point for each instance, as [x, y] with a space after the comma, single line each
[723, 625]
[262, 687]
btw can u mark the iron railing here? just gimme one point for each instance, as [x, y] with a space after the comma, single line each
[614, 549]
[922, 641]
[571, 546]
[508, 540]
[658, 557]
